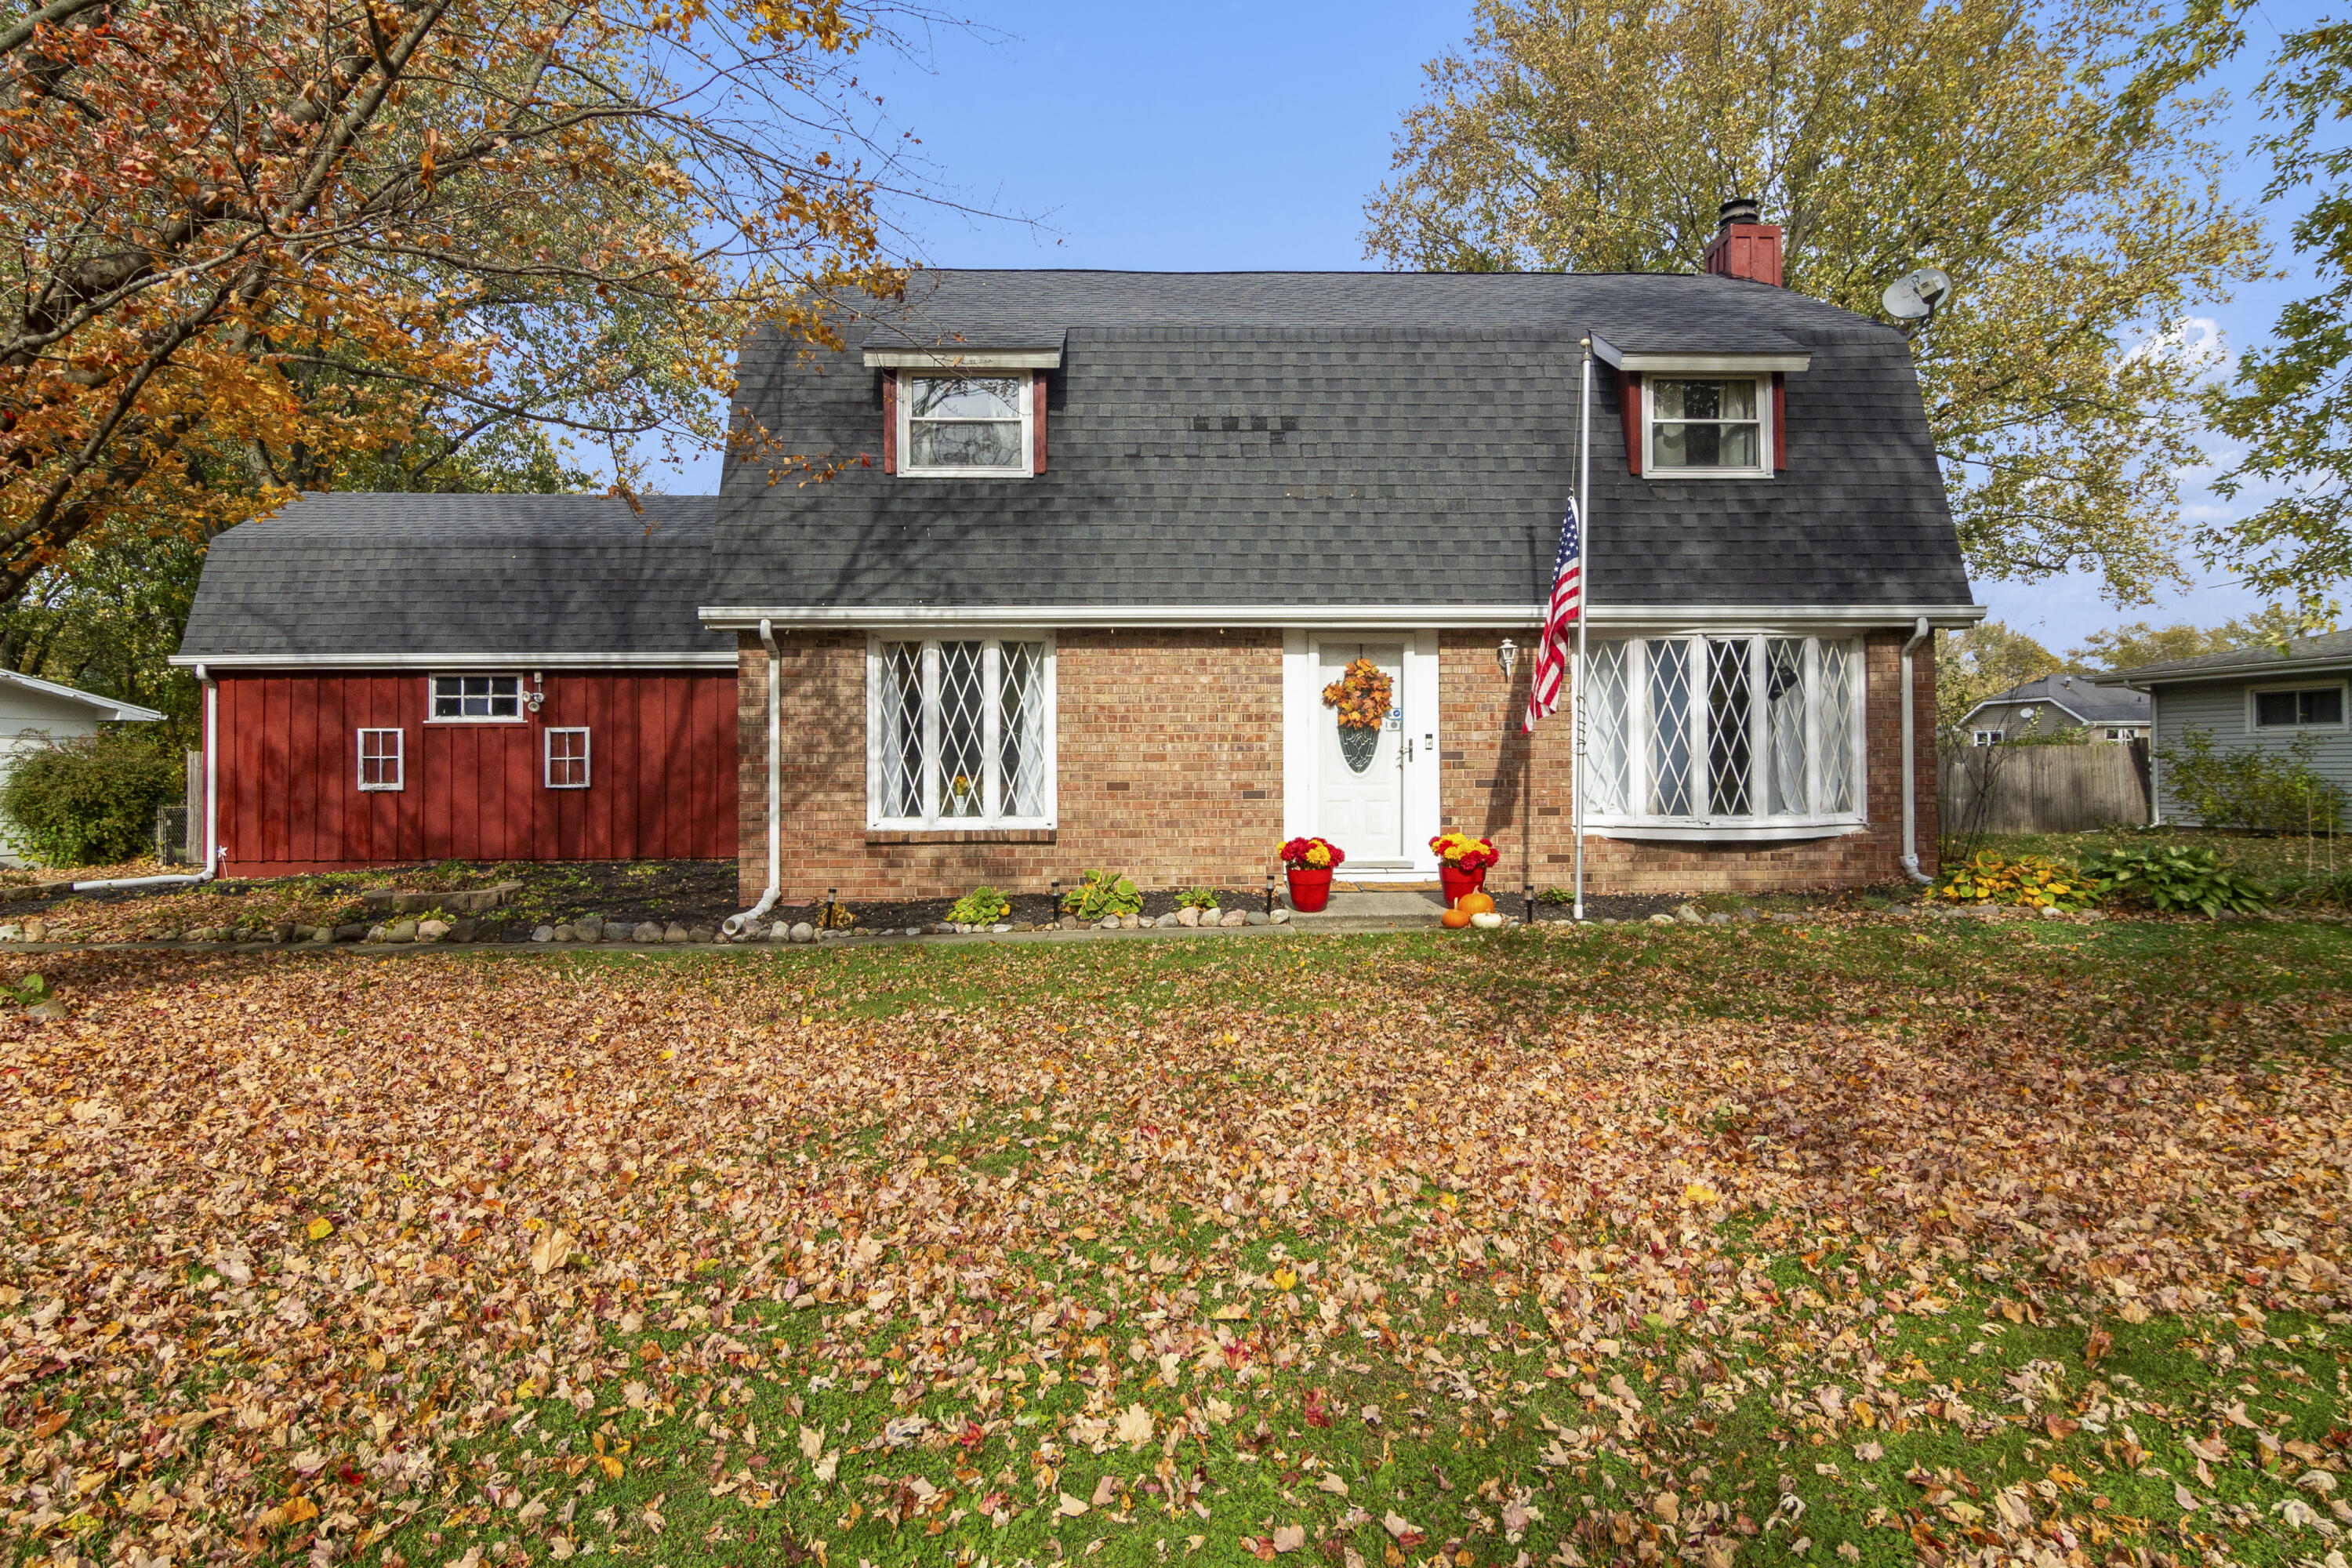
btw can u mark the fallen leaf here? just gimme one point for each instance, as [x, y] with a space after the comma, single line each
[1071, 1507]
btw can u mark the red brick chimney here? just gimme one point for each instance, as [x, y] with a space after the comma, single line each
[1743, 246]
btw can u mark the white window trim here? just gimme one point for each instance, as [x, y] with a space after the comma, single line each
[905, 405]
[994, 637]
[399, 759]
[522, 699]
[2343, 706]
[1653, 469]
[1990, 737]
[1761, 825]
[547, 758]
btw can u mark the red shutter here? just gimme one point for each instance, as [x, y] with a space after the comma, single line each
[1629, 408]
[1037, 422]
[889, 421]
[1780, 423]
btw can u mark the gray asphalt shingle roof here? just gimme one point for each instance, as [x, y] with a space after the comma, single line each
[361, 573]
[1366, 438]
[1230, 438]
[2090, 703]
[2329, 647]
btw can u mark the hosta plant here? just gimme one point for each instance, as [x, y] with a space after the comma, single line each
[1102, 893]
[2176, 879]
[2029, 881]
[982, 906]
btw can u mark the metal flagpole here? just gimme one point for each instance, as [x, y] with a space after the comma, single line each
[1584, 613]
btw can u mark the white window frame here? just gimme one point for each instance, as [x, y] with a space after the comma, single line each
[1990, 737]
[548, 759]
[2255, 726]
[522, 704]
[991, 817]
[1653, 469]
[904, 401]
[1759, 824]
[397, 757]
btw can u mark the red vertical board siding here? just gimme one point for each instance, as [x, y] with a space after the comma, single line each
[889, 421]
[662, 773]
[1780, 422]
[1037, 422]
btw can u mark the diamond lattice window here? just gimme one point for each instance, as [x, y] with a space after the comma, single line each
[960, 732]
[1732, 733]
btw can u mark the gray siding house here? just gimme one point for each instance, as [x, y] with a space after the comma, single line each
[2260, 697]
[2058, 702]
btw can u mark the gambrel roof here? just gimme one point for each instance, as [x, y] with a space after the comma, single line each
[1358, 438]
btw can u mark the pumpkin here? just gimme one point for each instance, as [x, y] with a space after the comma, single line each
[1487, 920]
[1455, 919]
[1476, 903]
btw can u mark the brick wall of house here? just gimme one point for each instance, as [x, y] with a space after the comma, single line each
[1489, 785]
[1169, 748]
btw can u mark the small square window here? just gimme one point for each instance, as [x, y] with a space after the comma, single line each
[1706, 427]
[485, 697]
[2317, 707]
[380, 761]
[567, 758]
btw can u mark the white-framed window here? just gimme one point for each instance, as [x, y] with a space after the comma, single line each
[477, 699]
[2313, 706]
[382, 762]
[960, 732]
[1988, 736]
[967, 426]
[1750, 732]
[566, 757]
[1709, 425]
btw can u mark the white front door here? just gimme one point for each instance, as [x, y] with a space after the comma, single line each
[1360, 774]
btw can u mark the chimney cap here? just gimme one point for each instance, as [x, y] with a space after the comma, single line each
[1738, 209]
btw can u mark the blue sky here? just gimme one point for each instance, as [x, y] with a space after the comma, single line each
[1235, 136]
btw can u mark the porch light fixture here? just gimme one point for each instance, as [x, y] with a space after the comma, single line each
[1507, 656]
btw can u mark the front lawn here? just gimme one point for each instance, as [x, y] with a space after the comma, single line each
[1854, 1241]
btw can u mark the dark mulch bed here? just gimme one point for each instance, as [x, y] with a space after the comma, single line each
[1028, 908]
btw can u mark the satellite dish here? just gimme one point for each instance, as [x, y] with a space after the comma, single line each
[1916, 295]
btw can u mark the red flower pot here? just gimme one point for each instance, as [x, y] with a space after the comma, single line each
[1458, 882]
[1309, 889]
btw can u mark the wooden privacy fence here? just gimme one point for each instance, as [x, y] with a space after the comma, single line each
[2042, 789]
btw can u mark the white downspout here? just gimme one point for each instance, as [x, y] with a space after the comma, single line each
[212, 831]
[1919, 633]
[736, 925]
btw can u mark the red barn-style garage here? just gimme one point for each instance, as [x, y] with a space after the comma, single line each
[579, 715]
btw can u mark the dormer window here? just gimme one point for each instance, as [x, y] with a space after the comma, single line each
[1711, 426]
[967, 426]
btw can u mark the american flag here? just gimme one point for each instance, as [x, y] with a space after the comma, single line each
[1550, 670]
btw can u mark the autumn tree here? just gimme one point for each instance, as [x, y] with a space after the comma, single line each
[2291, 402]
[1994, 139]
[266, 244]
[2141, 642]
[1984, 660]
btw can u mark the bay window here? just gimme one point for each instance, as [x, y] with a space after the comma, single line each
[959, 732]
[1745, 733]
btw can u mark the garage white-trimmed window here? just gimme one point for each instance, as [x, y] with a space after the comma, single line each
[967, 426]
[478, 699]
[382, 762]
[960, 732]
[1752, 735]
[566, 758]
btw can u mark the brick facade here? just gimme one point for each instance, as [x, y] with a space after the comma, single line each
[1169, 748]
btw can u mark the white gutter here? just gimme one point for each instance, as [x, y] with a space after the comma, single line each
[736, 925]
[1919, 633]
[212, 819]
[743, 617]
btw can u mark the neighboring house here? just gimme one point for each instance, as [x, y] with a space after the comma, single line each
[2058, 702]
[2259, 697]
[33, 711]
[1101, 542]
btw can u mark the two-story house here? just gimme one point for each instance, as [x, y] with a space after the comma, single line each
[1093, 548]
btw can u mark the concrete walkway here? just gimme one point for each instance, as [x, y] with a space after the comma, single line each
[1390, 909]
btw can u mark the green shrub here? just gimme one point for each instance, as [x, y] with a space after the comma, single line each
[1196, 899]
[1102, 893]
[2032, 881]
[88, 800]
[2176, 880]
[2253, 786]
[982, 906]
